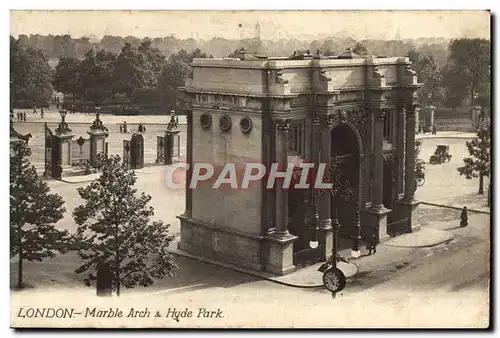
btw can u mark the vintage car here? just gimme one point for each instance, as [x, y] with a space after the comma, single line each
[441, 155]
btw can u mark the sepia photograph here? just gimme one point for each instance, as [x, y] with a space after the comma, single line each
[183, 169]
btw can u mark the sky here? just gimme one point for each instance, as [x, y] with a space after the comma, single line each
[240, 24]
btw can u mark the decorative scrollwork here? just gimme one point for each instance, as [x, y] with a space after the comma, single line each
[341, 187]
[246, 125]
[279, 77]
[323, 75]
[206, 121]
[225, 123]
[359, 118]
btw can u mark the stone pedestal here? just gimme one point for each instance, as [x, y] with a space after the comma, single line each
[62, 149]
[279, 254]
[408, 209]
[97, 144]
[326, 239]
[375, 223]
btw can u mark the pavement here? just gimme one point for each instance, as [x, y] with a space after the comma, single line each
[307, 277]
[53, 116]
[447, 134]
[425, 237]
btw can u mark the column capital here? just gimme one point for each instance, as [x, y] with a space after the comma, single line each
[411, 110]
[330, 119]
[316, 122]
[380, 113]
[282, 125]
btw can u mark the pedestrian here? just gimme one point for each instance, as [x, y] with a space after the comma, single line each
[125, 127]
[464, 219]
[24, 116]
[18, 118]
[372, 246]
[42, 114]
[121, 128]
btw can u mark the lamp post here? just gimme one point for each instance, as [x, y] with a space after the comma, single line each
[63, 127]
[333, 278]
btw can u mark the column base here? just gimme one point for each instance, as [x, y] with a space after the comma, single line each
[279, 254]
[374, 222]
[408, 209]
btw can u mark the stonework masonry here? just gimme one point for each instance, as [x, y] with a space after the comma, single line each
[351, 113]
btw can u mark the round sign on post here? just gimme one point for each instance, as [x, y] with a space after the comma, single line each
[334, 280]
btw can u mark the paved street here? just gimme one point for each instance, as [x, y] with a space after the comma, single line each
[445, 285]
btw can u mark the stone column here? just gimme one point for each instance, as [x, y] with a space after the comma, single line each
[282, 129]
[189, 162]
[279, 245]
[400, 151]
[410, 155]
[378, 161]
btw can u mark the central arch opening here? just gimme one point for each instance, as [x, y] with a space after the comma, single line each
[345, 154]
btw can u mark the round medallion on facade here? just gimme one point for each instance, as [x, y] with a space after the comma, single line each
[246, 125]
[225, 123]
[206, 121]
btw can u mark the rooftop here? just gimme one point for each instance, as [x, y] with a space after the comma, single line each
[243, 58]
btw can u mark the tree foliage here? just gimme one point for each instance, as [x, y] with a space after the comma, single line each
[469, 62]
[30, 74]
[33, 213]
[478, 163]
[97, 76]
[66, 76]
[114, 229]
[174, 75]
[137, 71]
[428, 72]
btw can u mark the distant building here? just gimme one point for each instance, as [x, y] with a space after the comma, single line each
[257, 31]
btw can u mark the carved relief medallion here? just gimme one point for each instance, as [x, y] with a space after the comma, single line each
[206, 121]
[246, 125]
[225, 123]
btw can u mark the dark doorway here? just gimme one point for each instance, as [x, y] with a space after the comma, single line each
[345, 152]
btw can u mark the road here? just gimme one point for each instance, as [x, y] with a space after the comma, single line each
[443, 286]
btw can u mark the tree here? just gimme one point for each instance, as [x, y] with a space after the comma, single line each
[469, 59]
[114, 230]
[174, 75]
[33, 213]
[66, 77]
[30, 74]
[360, 49]
[137, 71]
[97, 76]
[428, 73]
[478, 164]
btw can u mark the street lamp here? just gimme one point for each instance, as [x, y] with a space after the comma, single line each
[333, 278]
[63, 114]
[63, 126]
